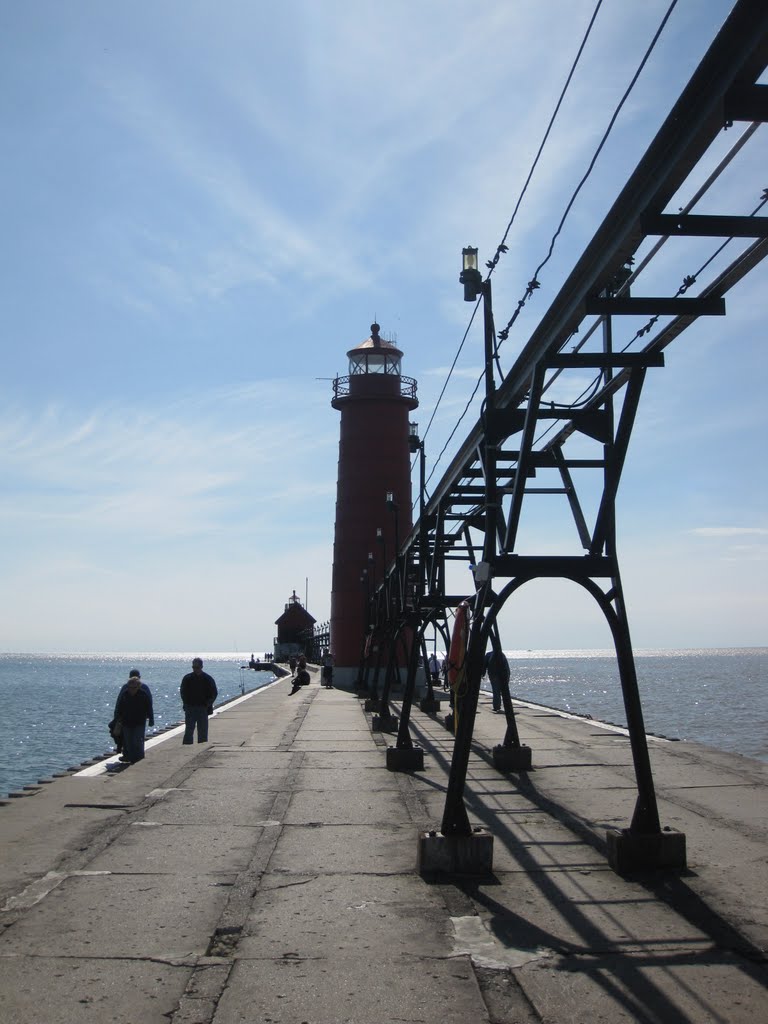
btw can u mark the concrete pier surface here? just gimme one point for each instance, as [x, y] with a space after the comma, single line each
[270, 876]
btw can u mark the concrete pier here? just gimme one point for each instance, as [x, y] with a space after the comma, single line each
[271, 875]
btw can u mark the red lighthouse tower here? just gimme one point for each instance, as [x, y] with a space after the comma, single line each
[374, 458]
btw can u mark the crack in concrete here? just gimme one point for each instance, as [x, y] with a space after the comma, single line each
[168, 961]
[202, 994]
[291, 885]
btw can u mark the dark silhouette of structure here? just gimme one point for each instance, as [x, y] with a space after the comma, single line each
[294, 626]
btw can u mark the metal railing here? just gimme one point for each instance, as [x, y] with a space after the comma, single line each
[341, 385]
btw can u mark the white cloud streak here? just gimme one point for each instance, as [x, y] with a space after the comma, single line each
[730, 531]
[159, 474]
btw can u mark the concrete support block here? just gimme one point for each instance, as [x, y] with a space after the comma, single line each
[430, 706]
[448, 721]
[384, 723]
[512, 759]
[456, 855]
[630, 851]
[405, 759]
[372, 704]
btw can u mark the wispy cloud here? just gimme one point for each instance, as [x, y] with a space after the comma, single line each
[468, 372]
[133, 469]
[190, 194]
[730, 531]
[740, 545]
[261, 238]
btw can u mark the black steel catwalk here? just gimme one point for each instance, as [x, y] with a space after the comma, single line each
[527, 444]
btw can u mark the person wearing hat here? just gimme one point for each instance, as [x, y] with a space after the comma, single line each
[133, 709]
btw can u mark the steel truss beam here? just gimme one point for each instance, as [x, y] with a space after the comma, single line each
[477, 512]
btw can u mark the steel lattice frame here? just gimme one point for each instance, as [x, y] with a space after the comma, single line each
[474, 513]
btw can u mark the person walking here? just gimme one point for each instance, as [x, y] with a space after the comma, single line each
[497, 667]
[198, 692]
[133, 709]
[328, 670]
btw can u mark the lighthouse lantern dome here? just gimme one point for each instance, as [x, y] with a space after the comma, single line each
[375, 355]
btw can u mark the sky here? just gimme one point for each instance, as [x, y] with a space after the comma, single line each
[205, 207]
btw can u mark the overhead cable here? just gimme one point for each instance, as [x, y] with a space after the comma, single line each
[501, 248]
[590, 391]
[533, 284]
[646, 260]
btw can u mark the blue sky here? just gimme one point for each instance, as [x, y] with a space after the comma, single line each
[205, 206]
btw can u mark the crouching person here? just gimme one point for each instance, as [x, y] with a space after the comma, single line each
[133, 710]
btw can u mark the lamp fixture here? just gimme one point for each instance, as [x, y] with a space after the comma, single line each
[470, 275]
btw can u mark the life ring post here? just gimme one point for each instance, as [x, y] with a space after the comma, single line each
[460, 848]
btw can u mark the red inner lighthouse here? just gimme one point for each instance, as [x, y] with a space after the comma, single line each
[375, 401]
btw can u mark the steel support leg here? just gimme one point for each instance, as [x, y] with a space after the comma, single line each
[404, 741]
[405, 755]
[646, 816]
[455, 820]
[511, 755]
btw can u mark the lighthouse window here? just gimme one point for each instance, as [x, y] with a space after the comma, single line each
[376, 362]
[379, 362]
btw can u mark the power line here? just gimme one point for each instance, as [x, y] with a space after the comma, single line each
[501, 248]
[533, 284]
[688, 281]
[655, 249]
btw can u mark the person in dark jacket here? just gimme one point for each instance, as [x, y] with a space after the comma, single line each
[328, 670]
[133, 709]
[497, 668]
[301, 679]
[198, 692]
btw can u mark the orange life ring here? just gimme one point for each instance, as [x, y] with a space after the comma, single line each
[458, 648]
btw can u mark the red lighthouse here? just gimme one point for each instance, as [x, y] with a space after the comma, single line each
[374, 459]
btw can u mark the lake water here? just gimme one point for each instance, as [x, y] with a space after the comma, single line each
[55, 708]
[718, 697]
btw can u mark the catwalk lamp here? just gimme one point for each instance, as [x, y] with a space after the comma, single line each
[470, 275]
[414, 442]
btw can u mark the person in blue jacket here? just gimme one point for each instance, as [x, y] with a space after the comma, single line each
[133, 709]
